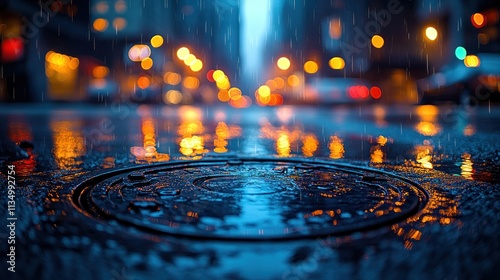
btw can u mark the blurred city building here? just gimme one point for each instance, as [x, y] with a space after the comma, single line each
[284, 50]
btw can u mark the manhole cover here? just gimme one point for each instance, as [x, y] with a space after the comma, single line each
[249, 198]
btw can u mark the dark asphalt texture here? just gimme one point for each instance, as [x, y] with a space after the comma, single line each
[452, 152]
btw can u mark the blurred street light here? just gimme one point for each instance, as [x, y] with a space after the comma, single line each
[431, 33]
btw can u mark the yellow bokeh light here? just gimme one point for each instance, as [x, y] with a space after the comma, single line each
[191, 146]
[431, 33]
[100, 24]
[283, 145]
[336, 147]
[283, 63]
[147, 63]
[377, 41]
[223, 83]
[272, 85]
[427, 128]
[100, 72]
[310, 145]
[293, 80]
[234, 93]
[223, 95]
[190, 59]
[191, 82]
[182, 53]
[172, 78]
[172, 97]
[377, 155]
[280, 83]
[264, 91]
[472, 61]
[156, 41]
[196, 66]
[337, 63]
[218, 75]
[311, 67]
[73, 63]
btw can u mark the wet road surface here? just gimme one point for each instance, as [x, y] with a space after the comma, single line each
[129, 192]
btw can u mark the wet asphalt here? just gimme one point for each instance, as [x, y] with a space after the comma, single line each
[450, 152]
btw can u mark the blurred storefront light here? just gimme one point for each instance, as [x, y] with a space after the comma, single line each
[62, 74]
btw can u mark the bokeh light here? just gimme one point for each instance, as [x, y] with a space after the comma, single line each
[119, 24]
[478, 20]
[283, 63]
[223, 95]
[147, 63]
[172, 97]
[218, 75]
[156, 41]
[100, 72]
[337, 63]
[191, 82]
[460, 52]
[264, 91]
[190, 59]
[100, 24]
[431, 33]
[280, 83]
[143, 82]
[311, 67]
[234, 93]
[182, 53]
[472, 61]
[293, 80]
[196, 66]
[172, 78]
[376, 92]
[139, 52]
[377, 41]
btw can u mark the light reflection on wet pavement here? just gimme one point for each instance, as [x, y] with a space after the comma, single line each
[451, 154]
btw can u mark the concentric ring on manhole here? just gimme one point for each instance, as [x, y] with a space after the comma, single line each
[248, 198]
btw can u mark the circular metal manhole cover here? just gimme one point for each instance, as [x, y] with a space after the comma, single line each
[248, 198]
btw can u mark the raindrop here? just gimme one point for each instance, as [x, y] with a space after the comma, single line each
[144, 206]
[168, 192]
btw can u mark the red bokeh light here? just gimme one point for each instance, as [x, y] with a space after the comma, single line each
[376, 92]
